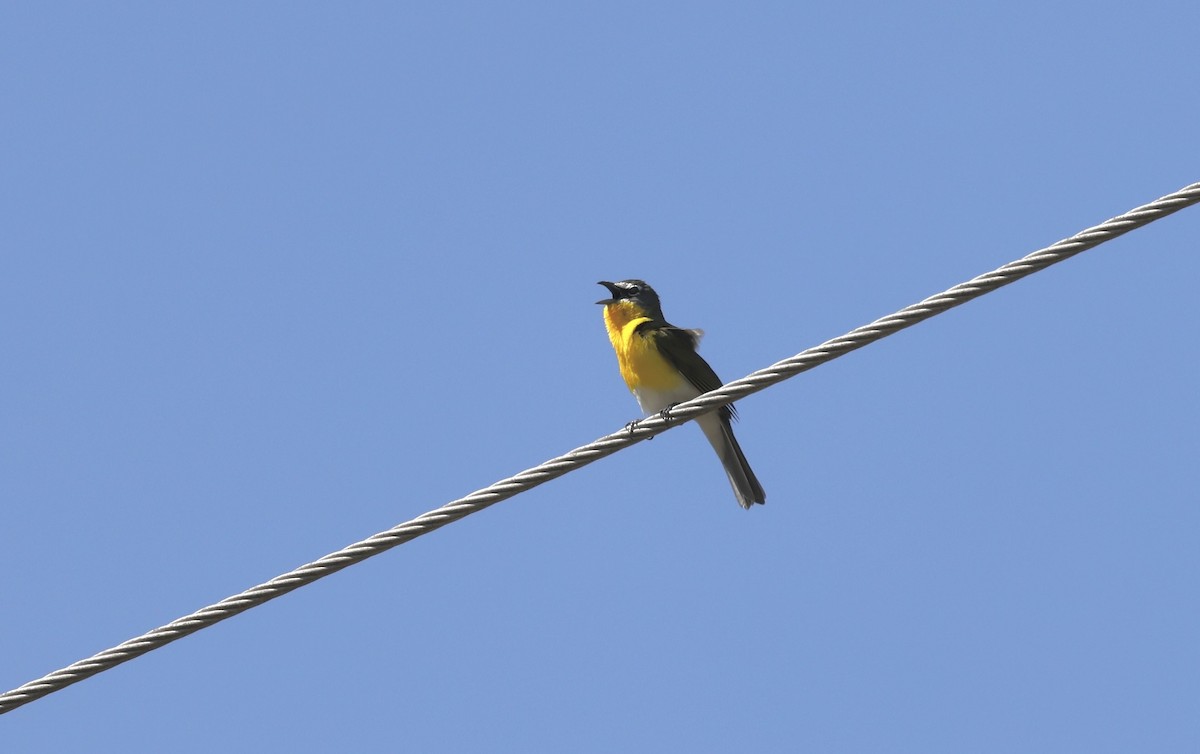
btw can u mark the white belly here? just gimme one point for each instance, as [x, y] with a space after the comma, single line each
[653, 400]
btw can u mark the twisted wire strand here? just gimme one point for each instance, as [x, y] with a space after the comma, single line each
[604, 446]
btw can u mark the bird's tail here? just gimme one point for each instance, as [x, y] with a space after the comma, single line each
[720, 435]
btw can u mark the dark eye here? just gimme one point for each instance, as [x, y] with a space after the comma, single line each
[633, 290]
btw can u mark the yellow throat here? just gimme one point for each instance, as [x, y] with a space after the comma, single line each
[642, 365]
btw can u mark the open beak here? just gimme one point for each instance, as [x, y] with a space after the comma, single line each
[611, 289]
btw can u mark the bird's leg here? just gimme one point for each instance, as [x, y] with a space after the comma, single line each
[666, 412]
[633, 425]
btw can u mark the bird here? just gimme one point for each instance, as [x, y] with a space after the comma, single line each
[661, 367]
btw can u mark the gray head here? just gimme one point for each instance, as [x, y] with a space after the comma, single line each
[636, 292]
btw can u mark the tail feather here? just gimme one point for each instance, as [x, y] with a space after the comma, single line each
[745, 485]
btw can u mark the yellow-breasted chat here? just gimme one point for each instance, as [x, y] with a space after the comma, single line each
[661, 367]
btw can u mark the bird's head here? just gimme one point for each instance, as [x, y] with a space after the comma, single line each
[636, 294]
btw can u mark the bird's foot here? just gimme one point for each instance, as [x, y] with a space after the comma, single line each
[633, 425]
[666, 413]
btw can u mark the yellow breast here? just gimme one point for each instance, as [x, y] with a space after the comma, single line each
[641, 363]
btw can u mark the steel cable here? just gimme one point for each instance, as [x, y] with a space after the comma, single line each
[600, 448]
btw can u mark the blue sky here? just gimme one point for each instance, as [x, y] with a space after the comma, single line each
[280, 276]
